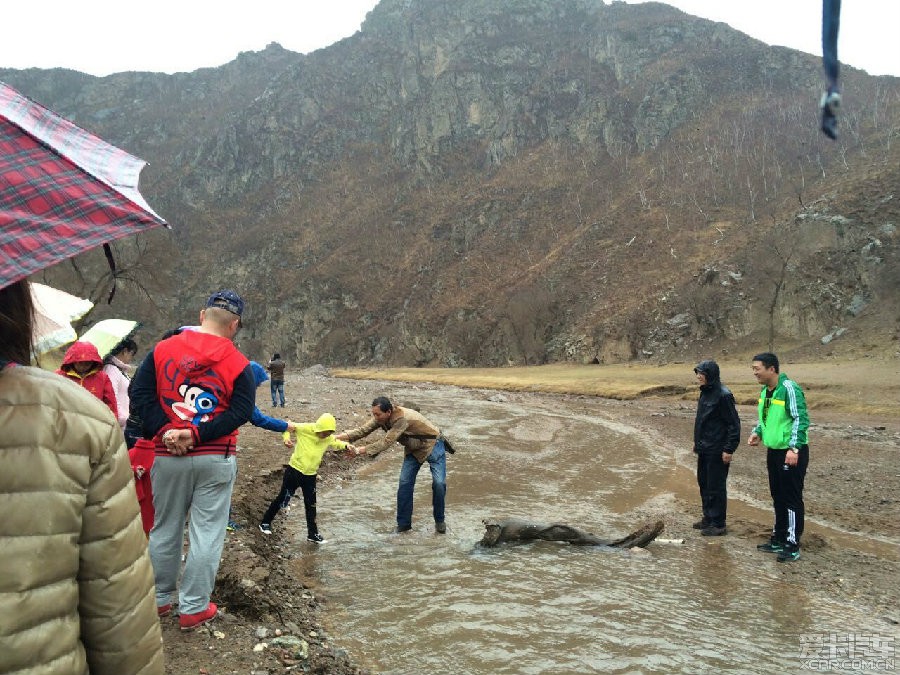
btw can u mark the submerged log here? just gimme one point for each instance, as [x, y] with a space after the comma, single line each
[514, 530]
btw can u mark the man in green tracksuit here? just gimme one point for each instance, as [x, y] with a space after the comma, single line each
[782, 427]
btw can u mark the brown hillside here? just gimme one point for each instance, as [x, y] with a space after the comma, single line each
[475, 183]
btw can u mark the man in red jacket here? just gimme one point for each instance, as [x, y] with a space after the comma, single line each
[193, 392]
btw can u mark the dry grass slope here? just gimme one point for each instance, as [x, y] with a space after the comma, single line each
[866, 386]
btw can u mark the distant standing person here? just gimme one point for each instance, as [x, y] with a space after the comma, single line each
[118, 368]
[276, 368]
[782, 427]
[192, 393]
[82, 364]
[313, 439]
[422, 443]
[717, 433]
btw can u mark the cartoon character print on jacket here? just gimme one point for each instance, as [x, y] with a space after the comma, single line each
[196, 405]
[192, 392]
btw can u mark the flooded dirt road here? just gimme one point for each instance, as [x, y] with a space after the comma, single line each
[427, 603]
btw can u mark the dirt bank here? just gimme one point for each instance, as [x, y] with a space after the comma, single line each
[851, 547]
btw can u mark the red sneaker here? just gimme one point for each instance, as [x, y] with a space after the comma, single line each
[164, 610]
[191, 621]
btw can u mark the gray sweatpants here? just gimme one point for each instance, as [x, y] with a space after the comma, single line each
[199, 486]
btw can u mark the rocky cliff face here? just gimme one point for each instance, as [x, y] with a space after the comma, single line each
[482, 182]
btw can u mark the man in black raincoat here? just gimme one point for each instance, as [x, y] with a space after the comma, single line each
[717, 433]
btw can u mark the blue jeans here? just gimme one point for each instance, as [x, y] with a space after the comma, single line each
[437, 462]
[277, 388]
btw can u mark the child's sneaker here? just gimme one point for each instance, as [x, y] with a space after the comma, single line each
[316, 538]
[265, 528]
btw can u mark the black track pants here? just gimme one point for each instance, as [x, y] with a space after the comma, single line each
[786, 488]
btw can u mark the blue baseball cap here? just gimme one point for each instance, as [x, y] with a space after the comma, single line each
[227, 300]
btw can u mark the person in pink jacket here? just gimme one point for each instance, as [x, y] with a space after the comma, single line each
[82, 364]
[118, 368]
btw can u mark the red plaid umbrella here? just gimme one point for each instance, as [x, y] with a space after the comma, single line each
[62, 189]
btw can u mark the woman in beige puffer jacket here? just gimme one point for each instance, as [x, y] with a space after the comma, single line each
[76, 585]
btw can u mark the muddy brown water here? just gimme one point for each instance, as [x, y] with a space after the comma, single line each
[422, 603]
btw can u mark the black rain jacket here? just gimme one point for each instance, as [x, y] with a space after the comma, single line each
[717, 427]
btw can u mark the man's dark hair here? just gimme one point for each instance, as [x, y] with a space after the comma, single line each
[768, 359]
[276, 356]
[384, 404]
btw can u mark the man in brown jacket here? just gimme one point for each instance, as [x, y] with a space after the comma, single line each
[422, 442]
[276, 370]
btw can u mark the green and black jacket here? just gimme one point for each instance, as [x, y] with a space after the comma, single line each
[783, 420]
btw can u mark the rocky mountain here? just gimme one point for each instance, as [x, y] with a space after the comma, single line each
[480, 182]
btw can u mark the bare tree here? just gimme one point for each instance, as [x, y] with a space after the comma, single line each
[136, 269]
[778, 250]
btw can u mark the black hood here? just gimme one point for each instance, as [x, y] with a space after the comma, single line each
[710, 369]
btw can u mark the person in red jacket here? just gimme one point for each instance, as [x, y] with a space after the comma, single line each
[142, 455]
[192, 392]
[82, 364]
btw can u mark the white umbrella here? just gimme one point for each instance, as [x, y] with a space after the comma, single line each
[106, 334]
[55, 310]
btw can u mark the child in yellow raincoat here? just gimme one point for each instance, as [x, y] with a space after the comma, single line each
[312, 440]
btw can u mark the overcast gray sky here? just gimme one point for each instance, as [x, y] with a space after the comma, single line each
[105, 36]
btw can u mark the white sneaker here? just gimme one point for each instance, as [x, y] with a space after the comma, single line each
[265, 528]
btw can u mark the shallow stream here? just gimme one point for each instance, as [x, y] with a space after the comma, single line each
[426, 604]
